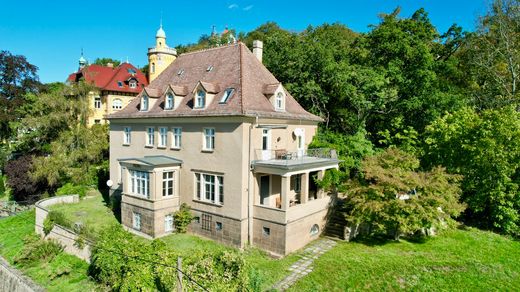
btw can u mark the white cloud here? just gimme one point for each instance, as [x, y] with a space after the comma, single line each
[247, 8]
[233, 6]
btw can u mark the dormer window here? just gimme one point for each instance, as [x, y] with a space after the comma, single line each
[200, 99]
[279, 102]
[132, 84]
[144, 103]
[168, 105]
[227, 95]
[119, 83]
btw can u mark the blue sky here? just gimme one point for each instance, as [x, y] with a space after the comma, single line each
[51, 34]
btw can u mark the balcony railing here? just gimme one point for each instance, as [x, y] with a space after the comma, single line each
[162, 50]
[285, 157]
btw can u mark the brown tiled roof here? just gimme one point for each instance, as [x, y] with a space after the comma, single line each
[233, 66]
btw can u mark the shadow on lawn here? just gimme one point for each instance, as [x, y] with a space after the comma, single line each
[380, 240]
[114, 201]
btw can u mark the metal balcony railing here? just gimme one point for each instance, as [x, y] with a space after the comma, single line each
[281, 156]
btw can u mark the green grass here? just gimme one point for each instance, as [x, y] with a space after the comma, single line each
[91, 211]
[63, 273]
[469, 260]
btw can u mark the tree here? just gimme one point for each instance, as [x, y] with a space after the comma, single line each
[24, 188]
[393, 197]
[106, 61]
[484, 148]
[17, 78]
[493, 55]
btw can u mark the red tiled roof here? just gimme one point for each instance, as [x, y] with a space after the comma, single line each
[107, 78]
[232, 66]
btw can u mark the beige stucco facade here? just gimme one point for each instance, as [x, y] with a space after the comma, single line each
[104, 103]
[280, 224]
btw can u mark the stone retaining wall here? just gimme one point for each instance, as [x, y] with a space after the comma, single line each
[64, 236]
[13, 281]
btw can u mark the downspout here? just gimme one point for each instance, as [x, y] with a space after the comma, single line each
[250, 198]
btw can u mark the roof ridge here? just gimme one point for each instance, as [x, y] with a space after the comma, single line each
[210, 49]
[241, 77]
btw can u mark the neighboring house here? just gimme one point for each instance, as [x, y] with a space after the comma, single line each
[115, 87]
[217, 131]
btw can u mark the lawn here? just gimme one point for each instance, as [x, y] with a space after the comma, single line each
[469, 260]
[91, 211]
[63, 273]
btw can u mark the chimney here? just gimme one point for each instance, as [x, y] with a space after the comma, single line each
[110, 65]
[258, 47]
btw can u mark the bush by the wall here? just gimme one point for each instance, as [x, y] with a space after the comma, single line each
[70, 189]
[54, 217]
[183, 218]
[36, 249]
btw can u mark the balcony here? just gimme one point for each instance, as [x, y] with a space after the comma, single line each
[166, 50]
[283, 159]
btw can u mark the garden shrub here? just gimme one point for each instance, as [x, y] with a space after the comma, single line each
[36, 249]
[70, 189]
[183, 218]
[54, 217]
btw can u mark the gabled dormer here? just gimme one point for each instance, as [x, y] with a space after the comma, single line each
[145, 103]
[203, 94]
[276, 95]
[149, 97]
[173, 96]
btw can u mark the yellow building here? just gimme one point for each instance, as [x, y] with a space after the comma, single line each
[160, 57]
[115, 87]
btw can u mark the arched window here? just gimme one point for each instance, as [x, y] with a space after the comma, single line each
[153, 68]
[315, 229]
[279, 104]
[169, 101]
[117, 104]
[200, 100]
[144, 103]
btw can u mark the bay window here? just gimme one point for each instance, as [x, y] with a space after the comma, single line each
[140, 183]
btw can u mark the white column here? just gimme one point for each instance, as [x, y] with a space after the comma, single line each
[286, 185]
[304, 195]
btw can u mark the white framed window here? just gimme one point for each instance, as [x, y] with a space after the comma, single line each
[227, 95]
[127, 136]
[168, 104]
[150, 136]
[279, 102]
[177, 137]
[163, 137]
[209, 188]
[140, 183]
[97, 102]
[132, 84]
[209, 139]
[168, 223]
[117, 104]
[167, 183]
[144, 103]
[266, 139]
[136, 221]
[200, 99]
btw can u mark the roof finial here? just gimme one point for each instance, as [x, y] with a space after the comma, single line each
[161, 18]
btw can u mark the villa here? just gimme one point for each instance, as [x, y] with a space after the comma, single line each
[216, 130]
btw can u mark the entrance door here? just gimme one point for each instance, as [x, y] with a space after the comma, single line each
[265, 183]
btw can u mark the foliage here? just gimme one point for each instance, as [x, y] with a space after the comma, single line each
[182, 218]
[484, 148]
[70, 189]
[54, 217]
[123, 262]
[393, 197]
[105, 61]
[17, 78]
[24, 188]
[38, 249]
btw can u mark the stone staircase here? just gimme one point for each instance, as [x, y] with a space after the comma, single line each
[336, 222]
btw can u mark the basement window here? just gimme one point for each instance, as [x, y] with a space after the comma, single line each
[227, 95]
[266, 231]
[218, 226]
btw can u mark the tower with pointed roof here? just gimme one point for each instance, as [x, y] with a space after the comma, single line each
[82, 61]
[161, 56]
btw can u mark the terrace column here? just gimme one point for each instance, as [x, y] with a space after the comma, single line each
[304, 196]
[320, 192]
[286, 185]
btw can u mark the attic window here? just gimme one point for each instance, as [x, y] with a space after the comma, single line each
[132, 84]
[200, 99]
[227, 95]
[279, 103]
[119, 83]
[209, 68]
[131, 71]
[168, 105]
[180, 72]
[144, 103]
